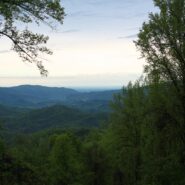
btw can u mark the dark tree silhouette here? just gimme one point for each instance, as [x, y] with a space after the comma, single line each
[26, 43]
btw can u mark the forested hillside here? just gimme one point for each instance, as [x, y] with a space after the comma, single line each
[30, 96]
[142, 142]
[57, 116]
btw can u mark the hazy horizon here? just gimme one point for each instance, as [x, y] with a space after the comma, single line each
[77, 82]
[94, 45]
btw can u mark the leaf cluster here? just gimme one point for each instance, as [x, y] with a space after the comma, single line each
[27, 44]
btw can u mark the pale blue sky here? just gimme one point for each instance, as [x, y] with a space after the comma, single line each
[93, 47]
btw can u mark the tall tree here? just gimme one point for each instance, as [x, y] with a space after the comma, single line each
[26, 43]
[124, 137]
[162, 42]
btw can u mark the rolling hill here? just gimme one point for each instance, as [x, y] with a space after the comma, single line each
[57, 116]
[28, 109]
[28, 96]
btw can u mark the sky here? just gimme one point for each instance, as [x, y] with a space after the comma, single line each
[94, 46]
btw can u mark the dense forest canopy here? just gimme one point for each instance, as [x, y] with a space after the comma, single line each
[144, 140]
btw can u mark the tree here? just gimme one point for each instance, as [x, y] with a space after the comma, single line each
[64, 160]
[162, 42]
[126, 134]
[27, 44]
[95, 160]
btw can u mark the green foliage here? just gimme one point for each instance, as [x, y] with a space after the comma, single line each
[124, 135]
[28, 45]
[162, 43]
[64, 161]
[95, 160]
[57, 116]
[144, 143]
[13, 171]
[2, 148]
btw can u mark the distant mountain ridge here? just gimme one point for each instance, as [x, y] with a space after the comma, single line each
[30, 95]
[35, 96]
[29, 109]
